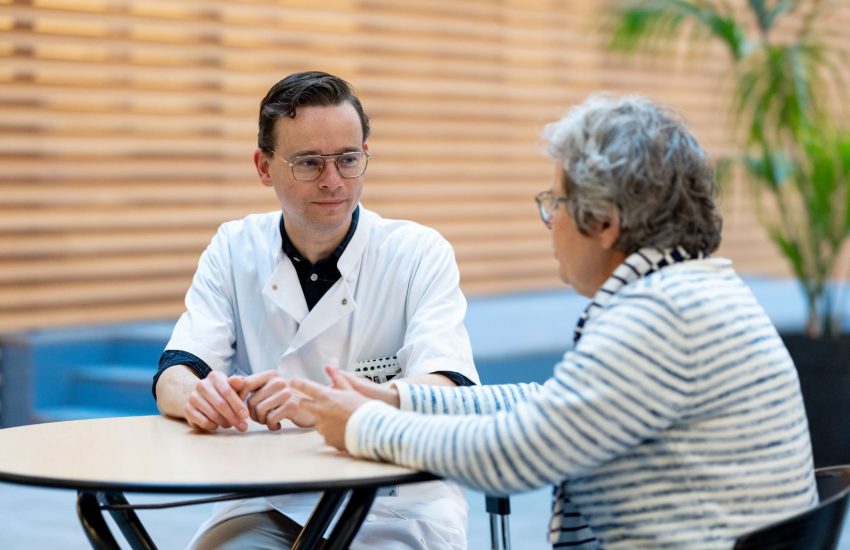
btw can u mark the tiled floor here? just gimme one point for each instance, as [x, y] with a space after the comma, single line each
[45, 519]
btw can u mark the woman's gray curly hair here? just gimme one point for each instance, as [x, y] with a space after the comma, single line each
[639, 157]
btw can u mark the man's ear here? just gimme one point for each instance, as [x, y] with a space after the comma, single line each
[609, 233]
[262, 163]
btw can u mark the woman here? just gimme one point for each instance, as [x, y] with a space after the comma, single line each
[675, 420]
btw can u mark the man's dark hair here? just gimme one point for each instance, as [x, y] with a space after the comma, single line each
[306, 89]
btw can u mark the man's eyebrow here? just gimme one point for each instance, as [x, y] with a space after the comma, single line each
[311, 152]
[305, 152]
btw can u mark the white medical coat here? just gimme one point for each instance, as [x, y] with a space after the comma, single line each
[397, 295]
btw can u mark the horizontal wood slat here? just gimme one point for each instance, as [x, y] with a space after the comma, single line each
[128, 129]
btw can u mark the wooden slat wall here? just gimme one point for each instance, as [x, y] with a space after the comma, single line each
[127, 128]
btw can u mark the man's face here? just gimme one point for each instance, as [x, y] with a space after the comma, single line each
[321, 208]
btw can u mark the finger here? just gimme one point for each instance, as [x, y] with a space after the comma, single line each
[274, 418]
[232, 396]
[200, 404]
[366, 387]
[354, 382]
[240, 386]
[296, 413]
[263, 408]
[362, 385]
[255, 388]
[197, 420]
[337, 379]
[254, 382]
[308, 388]
[270, 396]
[227, 403]
[194, 419]
[237, 382]
[312, 408]
[252, 412]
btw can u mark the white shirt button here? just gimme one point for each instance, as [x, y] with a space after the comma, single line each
[313, 277]
[274, 287]
[371, 517]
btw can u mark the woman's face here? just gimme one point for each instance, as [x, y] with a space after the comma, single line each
[584, 261]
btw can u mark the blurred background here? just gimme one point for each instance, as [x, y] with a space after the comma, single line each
[128, 126]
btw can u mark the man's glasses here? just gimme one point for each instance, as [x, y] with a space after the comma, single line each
[309, 167]
[547, 203]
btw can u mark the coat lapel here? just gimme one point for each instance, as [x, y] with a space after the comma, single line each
[337, 304]
[284, 291]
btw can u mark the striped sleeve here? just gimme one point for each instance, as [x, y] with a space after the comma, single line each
[628, 379]
[462, 400]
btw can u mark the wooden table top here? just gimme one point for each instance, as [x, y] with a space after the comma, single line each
[157, 454]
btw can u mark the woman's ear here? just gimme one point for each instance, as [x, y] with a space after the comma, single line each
[609, 232]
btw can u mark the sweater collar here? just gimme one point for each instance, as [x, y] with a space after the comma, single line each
[636, 266]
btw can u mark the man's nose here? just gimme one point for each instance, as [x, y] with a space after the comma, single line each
[330, 177]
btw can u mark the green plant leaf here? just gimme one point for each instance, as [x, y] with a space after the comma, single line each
[843, 153]
[639, 22]
[772, 168]
[766, 15]
[796, 162]
[791, 250]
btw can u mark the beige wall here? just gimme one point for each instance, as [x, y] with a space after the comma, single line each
[128, 126]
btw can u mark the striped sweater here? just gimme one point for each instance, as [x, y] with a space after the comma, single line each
[677, 418]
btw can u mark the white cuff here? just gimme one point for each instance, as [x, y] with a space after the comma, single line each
[355, 421]
[405, 395]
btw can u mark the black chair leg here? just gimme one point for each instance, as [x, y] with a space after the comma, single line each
[499, 509]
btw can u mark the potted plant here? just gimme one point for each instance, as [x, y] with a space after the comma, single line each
[795, 159]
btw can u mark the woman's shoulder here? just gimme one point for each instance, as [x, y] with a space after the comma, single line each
[692, 276]
[681, 287]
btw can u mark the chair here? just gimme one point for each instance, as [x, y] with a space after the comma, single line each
[818, 528]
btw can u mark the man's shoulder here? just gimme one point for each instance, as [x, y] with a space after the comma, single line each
[396, 231]
[261, 222]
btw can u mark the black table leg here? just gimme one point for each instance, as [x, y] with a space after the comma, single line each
[90, 506]
[95, 527]
[318, 521]
[351, 519]
[127, 520]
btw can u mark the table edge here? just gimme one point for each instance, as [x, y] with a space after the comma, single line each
[248, 489]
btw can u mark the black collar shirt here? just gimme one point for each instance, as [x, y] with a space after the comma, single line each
[316, 279]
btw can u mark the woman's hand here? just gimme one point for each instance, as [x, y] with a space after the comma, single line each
[330, 406]
[387, 393]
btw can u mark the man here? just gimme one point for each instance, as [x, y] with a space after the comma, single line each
[280, 294]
